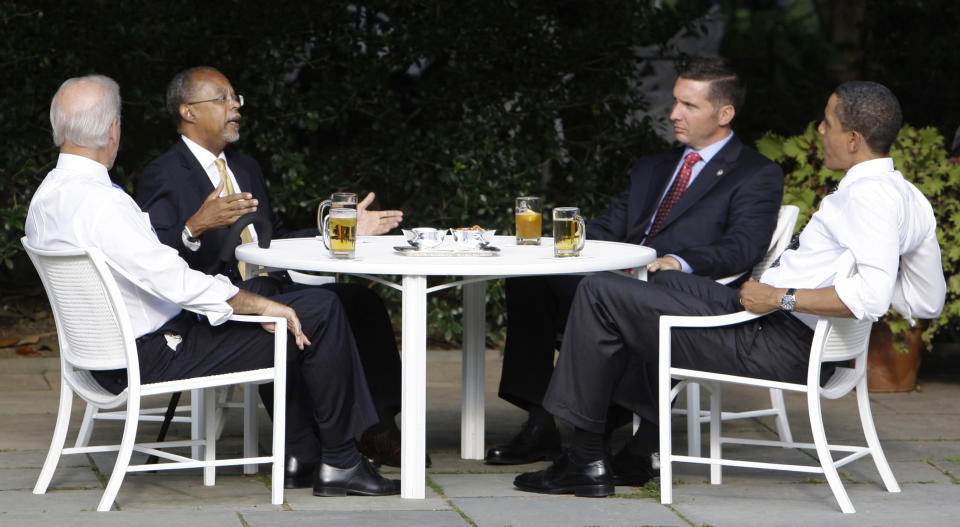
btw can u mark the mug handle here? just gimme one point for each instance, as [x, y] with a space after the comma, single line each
[325, 203]
[325, 231]
[581, 233]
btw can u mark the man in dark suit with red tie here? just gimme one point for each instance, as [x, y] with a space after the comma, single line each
[708, 208]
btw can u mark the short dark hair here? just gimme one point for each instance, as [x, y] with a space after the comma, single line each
[725, 85]
[180, 90]
[871, 109]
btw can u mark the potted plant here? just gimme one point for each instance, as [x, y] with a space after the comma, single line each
[920, 155]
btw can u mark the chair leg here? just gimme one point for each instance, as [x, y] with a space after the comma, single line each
[123, 455]
[251, 434]
[59, 437]
[873, 441]
[210, 434]
[86, 426]
[693, 419]
[783, 426]
[716, 422]
[823, 452]
[167, 419]
[196, 422]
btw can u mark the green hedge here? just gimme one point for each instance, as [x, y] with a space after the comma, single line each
[332, 102]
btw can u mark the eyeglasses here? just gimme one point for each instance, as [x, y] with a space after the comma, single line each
[222, 99]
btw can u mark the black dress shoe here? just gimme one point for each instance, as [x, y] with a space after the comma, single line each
[635, 470]
[298, 474]
[568, 476]
[361, 479]
[533, 443]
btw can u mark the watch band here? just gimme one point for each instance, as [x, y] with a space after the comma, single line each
[788, 302]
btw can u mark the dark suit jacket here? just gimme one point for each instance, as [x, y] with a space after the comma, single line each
[172, 188]
[721, 225]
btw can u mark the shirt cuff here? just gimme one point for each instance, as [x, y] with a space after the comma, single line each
[193, 246]
[684, 266]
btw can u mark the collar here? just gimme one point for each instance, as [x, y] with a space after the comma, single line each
[84, 165]
[204, 156]
[707, 152]
[872, 167]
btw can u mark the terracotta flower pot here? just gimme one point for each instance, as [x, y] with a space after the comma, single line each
[889, 370]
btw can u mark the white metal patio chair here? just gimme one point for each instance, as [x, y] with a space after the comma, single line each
[786, 222]
[95, 334]
[834, 340]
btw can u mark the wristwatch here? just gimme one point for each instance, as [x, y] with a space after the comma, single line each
[788, 302]
[189, 235]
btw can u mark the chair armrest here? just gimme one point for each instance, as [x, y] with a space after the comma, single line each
[682, 321]
[309, 279]
[727, 279]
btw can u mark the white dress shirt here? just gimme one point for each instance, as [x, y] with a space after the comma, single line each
[888, 225]
[706, 154]
[76, 206]
[209, 163]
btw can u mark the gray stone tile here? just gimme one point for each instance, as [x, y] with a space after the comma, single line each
[355, 519]
[63, 478]
[124, 519]
[793, 505]
[554, 511]
[55, 502]
[304, 500]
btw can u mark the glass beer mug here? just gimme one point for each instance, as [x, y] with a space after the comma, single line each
[569, 232]
[339, 225]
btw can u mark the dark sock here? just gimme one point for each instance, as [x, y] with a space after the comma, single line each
[617, 416]
[539, 416]
[646, 440]
[340, 456]
[587, 446]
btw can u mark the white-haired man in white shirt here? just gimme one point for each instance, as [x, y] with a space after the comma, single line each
[76, 206]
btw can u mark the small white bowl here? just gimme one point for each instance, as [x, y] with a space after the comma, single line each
[473, 238]
[424, 237]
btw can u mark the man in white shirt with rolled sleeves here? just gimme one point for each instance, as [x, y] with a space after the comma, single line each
[77, 206]
[875, 214]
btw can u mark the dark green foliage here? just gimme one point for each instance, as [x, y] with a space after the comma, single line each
[331, 102]
[920, 155]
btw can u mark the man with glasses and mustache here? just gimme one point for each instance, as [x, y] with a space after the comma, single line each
[195, 191]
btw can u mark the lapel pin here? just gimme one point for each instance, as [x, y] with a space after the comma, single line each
[720, 172]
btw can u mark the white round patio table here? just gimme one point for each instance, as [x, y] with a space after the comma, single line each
[377, 260]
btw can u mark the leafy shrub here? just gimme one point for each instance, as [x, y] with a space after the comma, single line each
[920, 155]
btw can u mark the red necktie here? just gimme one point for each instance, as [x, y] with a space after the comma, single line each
[673, 195]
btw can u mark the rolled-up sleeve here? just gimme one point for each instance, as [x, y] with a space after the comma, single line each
[868, 226]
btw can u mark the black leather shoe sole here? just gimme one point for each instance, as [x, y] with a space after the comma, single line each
[333, 492]
[599, 490]
[494, 458]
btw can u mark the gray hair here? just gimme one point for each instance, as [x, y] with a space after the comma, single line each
[180, 89]
[86, 125]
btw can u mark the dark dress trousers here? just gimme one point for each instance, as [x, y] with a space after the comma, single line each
[328, 401]
[173, 187]
[721, 225]
[615, 320]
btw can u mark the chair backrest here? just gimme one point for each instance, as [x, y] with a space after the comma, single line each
[782, 234]
[92, 323]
